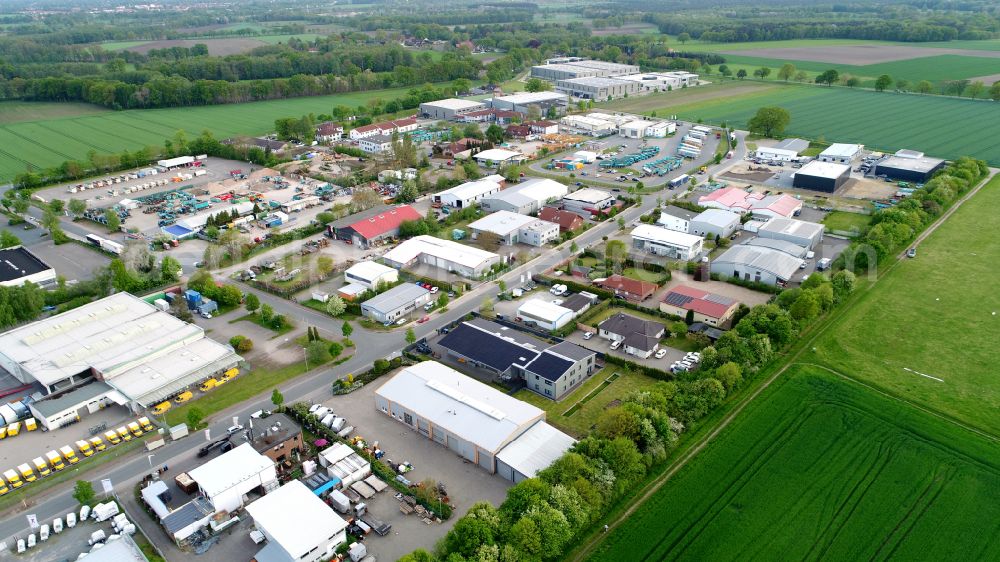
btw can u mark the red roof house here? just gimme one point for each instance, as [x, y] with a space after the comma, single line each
[378, 224]
[631, 289]
[710, 308]
[568, 221]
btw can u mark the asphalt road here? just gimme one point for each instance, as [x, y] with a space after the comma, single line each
[124, 473]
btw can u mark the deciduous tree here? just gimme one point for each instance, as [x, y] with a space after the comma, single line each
[770, 121]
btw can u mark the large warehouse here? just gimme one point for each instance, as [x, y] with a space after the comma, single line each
[802, 233]
[526, 198]
[513, 228]
[464, 195]
[396, 302]
[841, 153]
[581, 68]
[909, 166]
[523, 101]
[466, 261]
[596, 88]
[472, 419]
[143, 354]
[588, 201]
[372, 226]
[755, 263]
[662, 81]
[451, 108]
[822, 176]
[785, 151]
[19, 266]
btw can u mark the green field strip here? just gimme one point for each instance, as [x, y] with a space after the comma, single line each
[76, 136]
[33, 141]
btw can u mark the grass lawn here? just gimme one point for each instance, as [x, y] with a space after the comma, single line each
[321, 307]
[255, 318]
[819, 468]
[579, 423]
[644, 275]
[937, 314]
[852, 222]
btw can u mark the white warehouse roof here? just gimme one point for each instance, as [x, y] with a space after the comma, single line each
[716, 217]
[473, 189]
[502, 222]
[454, 104]
[442, 249]
[792, 227]
[229, 469]
[535, 449]
[369, 270]
[828, 170]
[544, 310]
[531, 97]
[296, 518]
[498, 155]
[841, 150]
[665, 236]
[539, 190]
[589, 195]
[461, 405]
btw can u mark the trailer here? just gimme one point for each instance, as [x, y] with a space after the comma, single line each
[377, 525]
[363, 489]
[112, 247]
[376, 483]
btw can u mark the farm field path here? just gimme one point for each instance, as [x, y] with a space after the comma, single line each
[594, 541]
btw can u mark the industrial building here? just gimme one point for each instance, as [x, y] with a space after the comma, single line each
[706, 307]
[498, 157]
[449, 109]
[19, 266]
[714, 222]
[522, 102]
[588, 201]
[756, 263]
[589, 125]
[464, 195]
[841, 153]
[550, 370]
[596, 88]
[662, 81]
[395, 303]
[544, 314]
[668, 243]
[370, 274]
[675, 218]
[639, 337]
[642, 128]
[142, 354]
[473, 420]
[372, 226]
[227, 479]
[910, 166]
[801, 233]
[375, 144]
[298, 525]
[785, 151]
[822, 176]
[526, 198]
[580, 68]
[444, 254]
[790, 248]
[344, 465]
[514, 228]
[757, 204]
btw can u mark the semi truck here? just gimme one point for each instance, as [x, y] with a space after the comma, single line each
[112, 247]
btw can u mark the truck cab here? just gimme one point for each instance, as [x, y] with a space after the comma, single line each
[41, 466]
[13, 478]
[124, 434]
[135, 429]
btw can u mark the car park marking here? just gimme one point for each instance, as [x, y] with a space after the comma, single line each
[922, 374]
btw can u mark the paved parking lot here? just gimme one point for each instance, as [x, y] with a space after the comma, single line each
[66, 545]
[466, 483]
[72, 261]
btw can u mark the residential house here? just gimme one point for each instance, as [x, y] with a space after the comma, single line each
[639, 337]
[628, 288]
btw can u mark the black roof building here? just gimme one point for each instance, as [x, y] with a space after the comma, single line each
[17, 263]
[637, 332]
[916, 168]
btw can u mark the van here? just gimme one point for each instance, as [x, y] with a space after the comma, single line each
[231, 373]
[97, 444]
[41, 466]
[84, 448]
[208, 385]
[3, 492]
[3, 432]
[30, 424]
[135, 429]
[146, 426]
[26, 473]
[160, 408]
[112, 437]
[823, 264]
[183, 397]
[69, 454]
[124, 434]
[13, 478]
[55, 461]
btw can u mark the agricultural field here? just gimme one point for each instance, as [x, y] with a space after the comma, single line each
[820, 468]
[219, 46]
[49, 142]
[17, 111]
[940, 126]
[937, 315]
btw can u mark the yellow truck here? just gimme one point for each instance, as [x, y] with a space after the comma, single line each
[30, 424]
[27, 473]
[135, 429]
[205, 386]
[84, 448]
[160, 408]
[183, 397]
[69, 454]
[13, 429]
[97, 444]
[13, 478]
[3, 488]
[146, 425]
[230, 375]
[124, 434]
[112, 437]
[3, 432]
[41, 466]
[55, 461]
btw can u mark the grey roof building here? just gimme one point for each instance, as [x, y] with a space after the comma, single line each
[756, 263]
[396, 302]
[805, 234]
[714, 222]
[596, 87]
[639, 337]
[785, 246]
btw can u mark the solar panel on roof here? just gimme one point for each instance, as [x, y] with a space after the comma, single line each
[678, 299]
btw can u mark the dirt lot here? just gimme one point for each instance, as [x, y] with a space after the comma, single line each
[739, 173]
[216, 47]
[858, 54]
[867, 189]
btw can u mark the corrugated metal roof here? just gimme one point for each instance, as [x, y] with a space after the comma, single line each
[535, 449]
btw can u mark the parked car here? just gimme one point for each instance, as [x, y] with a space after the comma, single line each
[588, 335]
[616, 344]
[234, 429]
[660, 354]
[911, 253]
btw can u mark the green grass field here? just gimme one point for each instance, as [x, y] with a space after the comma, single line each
[17, 111]
[844, 221]
[934, 315]
[819, 468]
[52, 141]
[940, 126]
